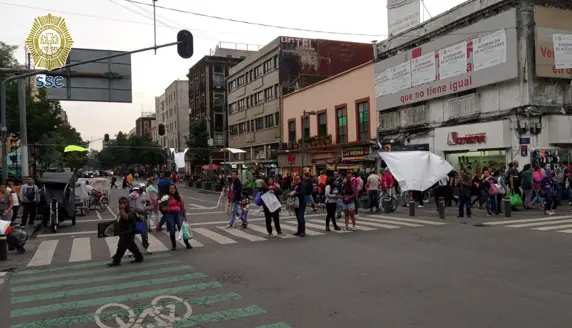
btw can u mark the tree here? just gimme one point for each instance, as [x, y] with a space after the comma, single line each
[125, 151]
[47, 132]
[199, 150]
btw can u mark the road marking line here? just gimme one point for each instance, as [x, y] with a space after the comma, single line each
[528, 220]
[81, 250]
[110, 211]
[242, 234]
[192, 241]
[112, 244]
[200, 199]
[537, 224]
[201, 207]
[155, 245]
[295, 229]
[408, 220]
[263, 231]
[317, 226]
[44, 254]
[98, 216]
[69, 234]
[89, 220]
[364, 225]
[405, 224]
[276, 325]
[563, 226]
[214, 236]
[2, 274]
[1, 281]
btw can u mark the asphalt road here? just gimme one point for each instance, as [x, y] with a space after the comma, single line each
[395, 271]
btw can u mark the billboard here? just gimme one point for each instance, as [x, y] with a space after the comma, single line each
[550, 22]
[462, 60]
[402, 15]
[107, 80]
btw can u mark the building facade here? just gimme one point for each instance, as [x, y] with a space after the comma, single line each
[144, 125]
[256, 85]
[172, 110]
[340, 129]
[477, 84]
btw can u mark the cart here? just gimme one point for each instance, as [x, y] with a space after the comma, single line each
[102, 185]
[81, 198]
[58, 199]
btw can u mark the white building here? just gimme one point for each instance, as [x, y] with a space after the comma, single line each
[466, 85]
[172, 110]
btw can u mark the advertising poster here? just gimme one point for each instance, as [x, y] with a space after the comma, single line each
[453, 61]
[562, 51]
[402, 15]
[401, 77]
[383, 83]
[489, 50]
[423, 69]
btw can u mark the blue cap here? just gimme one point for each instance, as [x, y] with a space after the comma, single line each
[548, 171]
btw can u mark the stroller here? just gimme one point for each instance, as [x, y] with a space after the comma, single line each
[57, 199]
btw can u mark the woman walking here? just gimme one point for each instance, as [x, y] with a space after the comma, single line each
[6, 203]
[153, 193]
[299, 191]
[348, 194]
[175, 214]
[272, 187]
[491, 191]
[332, 196]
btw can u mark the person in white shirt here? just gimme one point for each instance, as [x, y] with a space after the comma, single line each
[372, 185]
[88, 187]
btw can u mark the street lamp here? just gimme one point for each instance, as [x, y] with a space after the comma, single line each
[304, 114]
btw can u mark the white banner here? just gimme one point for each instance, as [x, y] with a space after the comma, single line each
[423, 69]
[180, 159]
[562, 51]
[403, 16]
[401, 77]
[271, 202]
[383, 83]
[453, 61]
[489, 50]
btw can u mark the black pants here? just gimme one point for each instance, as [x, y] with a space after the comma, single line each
[331, 214]
[439, 192]
[14, 213]
[29, 213]
[272, 217]
[418, 196]
[127, 242]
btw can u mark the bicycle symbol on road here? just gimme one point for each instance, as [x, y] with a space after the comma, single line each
[163, 315]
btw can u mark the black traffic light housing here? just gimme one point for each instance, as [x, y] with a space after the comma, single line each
[106, 137]
[185, 44]
[14, 138]
[161, 129]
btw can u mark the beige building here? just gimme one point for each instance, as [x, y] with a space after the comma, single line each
[172, 110]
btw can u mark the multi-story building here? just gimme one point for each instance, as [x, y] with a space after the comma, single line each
[132, 132]
[256, 85]
[207, 91]
[331, 124]
[172, 110]
[479, 84]
[145, 124]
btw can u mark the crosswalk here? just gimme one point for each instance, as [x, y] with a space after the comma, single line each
[562, 224]
[83, 247]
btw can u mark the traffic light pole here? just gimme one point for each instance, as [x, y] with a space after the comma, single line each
[23, 129]
[21, 77]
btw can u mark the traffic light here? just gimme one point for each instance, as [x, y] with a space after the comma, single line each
[387, 148]
[14, 142]
[185, 44]
[161, 129]
[106, 137]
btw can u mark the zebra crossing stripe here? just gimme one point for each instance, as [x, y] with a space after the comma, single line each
[361, 222]
[426, 222]
[287, 226]
[317, 226]
[276, 325]
[45, 253]
[558, 227]
[528, 220]
[214, 236]
[242, 234]
[406, 224]
[537, 224]
[262, 230]
[154, 244]
[566, 231]
[81, 250]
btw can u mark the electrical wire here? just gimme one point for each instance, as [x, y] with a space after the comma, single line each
[425, 7]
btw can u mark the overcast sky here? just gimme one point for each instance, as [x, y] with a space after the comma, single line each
[120, 25]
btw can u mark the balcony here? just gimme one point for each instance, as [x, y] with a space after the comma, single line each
[415, 116]
[389, 121]
[463, 106]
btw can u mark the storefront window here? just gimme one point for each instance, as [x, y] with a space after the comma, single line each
[363, 121]
[322, 125]
[342, 129]
[476, 161]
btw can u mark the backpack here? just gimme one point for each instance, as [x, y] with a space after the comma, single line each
[322, 181]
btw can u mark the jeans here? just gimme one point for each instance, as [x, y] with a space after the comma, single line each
[528, 193]
[549, 201]
[174, 223]
[464, 204]
[236, 210]
[492, 207]
[373, 199]
[536, 198]
[300, 212]
[145, 232]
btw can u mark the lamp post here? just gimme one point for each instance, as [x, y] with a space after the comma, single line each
[304, 114]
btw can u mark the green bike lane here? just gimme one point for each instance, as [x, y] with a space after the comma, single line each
[166, 288]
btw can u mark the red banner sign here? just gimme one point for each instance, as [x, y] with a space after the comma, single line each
[455, 139]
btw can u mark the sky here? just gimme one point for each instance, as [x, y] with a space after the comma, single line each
[124, 26]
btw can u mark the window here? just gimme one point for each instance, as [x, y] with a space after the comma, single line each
[218, 100]
[219, 122]
[342, 125]
[269, 120]
[322, 125]
[241, 127]
[257, 71]
[233, 129]
[219, 140]
[275, 60]
[258, 98]
[306, 126]
[218, 80]
[251, 125]
[240, 81]
[363, 121]
[269, 93]
[246, 79]
[292, 131]
[268, 66]
[241, 104]
[259, 123]
[233, 108]
[277, 118]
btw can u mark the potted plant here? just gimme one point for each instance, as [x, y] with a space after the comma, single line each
[328, 139]
[322, 140]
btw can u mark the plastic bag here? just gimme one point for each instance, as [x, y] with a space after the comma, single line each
[515, 200]
[139, 226]
[186, 231]
[258, 199]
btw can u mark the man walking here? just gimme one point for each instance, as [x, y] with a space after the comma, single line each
[234, 197]
[373, 183]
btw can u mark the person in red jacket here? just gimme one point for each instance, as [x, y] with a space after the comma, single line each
[387, 181]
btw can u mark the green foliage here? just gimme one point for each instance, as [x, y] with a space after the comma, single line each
[46, 130]
[199, 150]
[125, 151]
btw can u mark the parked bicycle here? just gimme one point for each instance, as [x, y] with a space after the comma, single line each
[98, 201]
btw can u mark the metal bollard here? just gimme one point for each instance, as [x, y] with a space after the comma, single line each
[441, 208]
[411, 208]
[3, 248]
[507, 208]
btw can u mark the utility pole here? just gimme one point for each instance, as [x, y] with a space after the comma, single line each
[23, 128]
[154, 26]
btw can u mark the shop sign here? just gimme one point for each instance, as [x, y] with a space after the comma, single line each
[455, 139]
[358, 151]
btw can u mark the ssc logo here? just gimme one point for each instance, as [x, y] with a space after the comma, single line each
[49, 42]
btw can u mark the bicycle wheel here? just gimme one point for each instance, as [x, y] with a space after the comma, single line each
[389, 204]
[363, 201]
[120, 313]
[104, 200]
[170, 302]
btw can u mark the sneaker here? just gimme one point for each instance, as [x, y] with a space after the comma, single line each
[337, 228]
[279, 233]
[147, 252]
[420, 206]
[354, 228]
[229, 226]
[548, 213]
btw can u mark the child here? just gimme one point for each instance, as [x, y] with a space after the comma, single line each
[244, 202]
